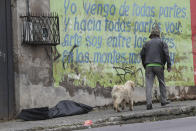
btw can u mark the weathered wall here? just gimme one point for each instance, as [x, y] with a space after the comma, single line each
[33, 68]
[32, 65]
[86, 73]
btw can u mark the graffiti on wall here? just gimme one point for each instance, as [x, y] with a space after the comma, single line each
[101, 40]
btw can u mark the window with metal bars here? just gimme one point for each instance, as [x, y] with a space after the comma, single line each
[40, 29]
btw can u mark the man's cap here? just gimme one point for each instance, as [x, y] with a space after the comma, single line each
[155, 31]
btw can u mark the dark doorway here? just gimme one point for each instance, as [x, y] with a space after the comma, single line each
[7, 99]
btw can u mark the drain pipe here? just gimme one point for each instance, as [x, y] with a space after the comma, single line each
[27, 8]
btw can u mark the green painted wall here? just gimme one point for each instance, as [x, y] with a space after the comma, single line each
[101, 39]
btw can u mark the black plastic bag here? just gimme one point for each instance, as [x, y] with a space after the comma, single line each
[68, 108]
[34, 114]
[63, 108]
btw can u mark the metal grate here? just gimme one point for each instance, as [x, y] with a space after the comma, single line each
[40, 29]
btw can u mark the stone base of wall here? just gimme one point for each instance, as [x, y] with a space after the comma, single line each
[40, 96]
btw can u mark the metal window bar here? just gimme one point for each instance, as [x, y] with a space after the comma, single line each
[40, 29]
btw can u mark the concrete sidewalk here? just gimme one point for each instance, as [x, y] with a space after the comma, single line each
[106, 117]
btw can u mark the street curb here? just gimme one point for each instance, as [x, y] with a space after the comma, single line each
[133, 117]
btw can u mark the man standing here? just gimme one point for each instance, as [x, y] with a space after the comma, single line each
[154, 55]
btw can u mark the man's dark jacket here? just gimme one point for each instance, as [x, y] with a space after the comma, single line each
[155, 51]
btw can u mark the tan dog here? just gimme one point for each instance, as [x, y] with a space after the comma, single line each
[122, 95]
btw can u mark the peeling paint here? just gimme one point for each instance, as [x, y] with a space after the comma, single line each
[182, 93]
[73, 90]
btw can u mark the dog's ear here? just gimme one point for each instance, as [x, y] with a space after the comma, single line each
[130, 84]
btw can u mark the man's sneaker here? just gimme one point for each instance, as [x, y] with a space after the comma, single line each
[149, 106]
[165, 103]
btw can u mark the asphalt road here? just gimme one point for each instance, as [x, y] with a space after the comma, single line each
[183, 124]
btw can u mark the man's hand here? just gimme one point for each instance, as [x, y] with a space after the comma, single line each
[168, 69]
